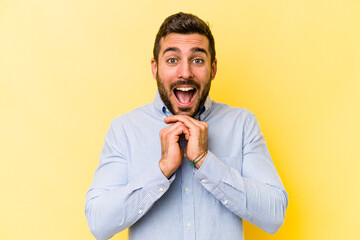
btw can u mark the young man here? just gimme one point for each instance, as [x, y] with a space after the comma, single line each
[210, 167]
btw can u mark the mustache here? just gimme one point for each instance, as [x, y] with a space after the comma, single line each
[184, 82]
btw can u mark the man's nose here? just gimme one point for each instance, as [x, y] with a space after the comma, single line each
[185, 71]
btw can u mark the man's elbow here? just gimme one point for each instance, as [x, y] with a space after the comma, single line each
[96, 224]
[274, 224]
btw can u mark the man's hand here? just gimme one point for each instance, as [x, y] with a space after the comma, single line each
[196, 134]
[171, 151]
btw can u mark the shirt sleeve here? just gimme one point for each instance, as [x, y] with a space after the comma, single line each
[114, 204]
[255, 193]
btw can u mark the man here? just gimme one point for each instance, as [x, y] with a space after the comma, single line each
[210, 167]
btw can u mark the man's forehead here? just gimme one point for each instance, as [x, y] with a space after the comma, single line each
[184, 42]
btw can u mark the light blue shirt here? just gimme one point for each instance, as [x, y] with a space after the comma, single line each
[237, 180]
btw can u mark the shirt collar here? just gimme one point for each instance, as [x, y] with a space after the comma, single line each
[164, 111]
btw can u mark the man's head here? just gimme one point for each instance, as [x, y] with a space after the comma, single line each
[184, 63]
[184, 23]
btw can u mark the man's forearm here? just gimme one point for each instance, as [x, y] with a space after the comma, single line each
[254, 201]
[110, 209]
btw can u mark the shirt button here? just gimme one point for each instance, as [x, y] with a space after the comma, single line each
[140, 211]
[161, 189]
[185, 155]
[187, 189]
[188, 225]
[203, 180]
[226, 202]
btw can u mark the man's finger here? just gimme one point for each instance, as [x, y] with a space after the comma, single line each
[177, 128]
[188, 121]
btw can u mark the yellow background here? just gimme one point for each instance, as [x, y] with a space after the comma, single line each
[67, 68]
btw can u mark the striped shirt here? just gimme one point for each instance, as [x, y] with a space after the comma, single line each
[237, 180]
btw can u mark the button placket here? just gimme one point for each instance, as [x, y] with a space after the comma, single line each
[187, 179]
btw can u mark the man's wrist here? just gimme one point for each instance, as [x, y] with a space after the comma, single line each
[199, 163]
[165, 170]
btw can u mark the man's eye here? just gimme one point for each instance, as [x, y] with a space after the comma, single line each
[198, 61]
[171, 60]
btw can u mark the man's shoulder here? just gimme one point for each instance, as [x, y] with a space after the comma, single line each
[228, 111]
[137, 114]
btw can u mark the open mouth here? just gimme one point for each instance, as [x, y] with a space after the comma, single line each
[185, 95]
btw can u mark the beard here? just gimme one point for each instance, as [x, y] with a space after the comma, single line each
[166, 93]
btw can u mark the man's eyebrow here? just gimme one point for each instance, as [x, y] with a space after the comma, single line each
[175, 49]
[198, 49]
[171, 49]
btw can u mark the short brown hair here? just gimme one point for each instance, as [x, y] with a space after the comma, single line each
[184, 23]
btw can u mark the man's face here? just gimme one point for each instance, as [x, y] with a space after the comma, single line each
[184, 72]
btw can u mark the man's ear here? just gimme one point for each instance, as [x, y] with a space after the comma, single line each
[153, 68]
[213, 69]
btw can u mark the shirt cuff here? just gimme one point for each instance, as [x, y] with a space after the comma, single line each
[212, 172]
[155, 183]
[225, 183]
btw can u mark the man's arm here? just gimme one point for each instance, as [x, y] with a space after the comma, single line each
[112, 203]
[255, 193]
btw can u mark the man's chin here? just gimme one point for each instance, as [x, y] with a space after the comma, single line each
[189, 111]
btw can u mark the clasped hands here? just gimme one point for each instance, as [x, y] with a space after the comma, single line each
[172, 154]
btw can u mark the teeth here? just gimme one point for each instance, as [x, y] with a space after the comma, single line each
[185, 89]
